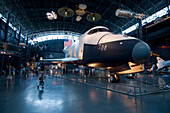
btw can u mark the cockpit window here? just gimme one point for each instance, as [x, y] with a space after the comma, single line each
[97, 30]
[103, 30]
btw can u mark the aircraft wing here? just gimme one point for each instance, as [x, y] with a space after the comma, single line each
[68, 60]
[163, 64]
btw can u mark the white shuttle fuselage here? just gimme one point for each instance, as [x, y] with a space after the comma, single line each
[99, 47]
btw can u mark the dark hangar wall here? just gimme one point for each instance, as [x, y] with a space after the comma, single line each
[157, 35]
[54, 48]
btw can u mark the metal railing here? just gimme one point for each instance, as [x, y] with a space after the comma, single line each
[131, 90]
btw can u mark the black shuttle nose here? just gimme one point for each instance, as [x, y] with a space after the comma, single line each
[141, 52]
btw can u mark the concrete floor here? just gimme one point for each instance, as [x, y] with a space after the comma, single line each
[65, 96]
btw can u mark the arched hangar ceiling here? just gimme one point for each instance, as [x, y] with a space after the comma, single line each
[31, 14]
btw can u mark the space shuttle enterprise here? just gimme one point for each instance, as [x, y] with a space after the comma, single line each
[100, 48]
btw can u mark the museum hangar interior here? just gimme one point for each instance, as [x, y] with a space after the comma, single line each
[84, 56]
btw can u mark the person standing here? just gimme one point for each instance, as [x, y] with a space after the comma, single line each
[42, 69]
[27, 71]
[34, 71]
[9, 76]
[13, 72]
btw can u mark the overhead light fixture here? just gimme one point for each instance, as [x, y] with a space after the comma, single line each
[41, 58]
[93, 17]
[65, 12]
[51, 16]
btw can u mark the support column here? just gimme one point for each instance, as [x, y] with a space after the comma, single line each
[25, 56]
[6, 28]
[14, 36]
[2, 64]
[140, 29]
[19, 35]
[142, 38]
[121, 31]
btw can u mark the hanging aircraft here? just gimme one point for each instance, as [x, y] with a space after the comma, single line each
[162, 64]
[100, 48]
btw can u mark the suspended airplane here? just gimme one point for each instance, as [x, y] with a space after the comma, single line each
[100, 48]
[162, 64]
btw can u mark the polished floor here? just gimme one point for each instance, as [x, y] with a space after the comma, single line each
[62, 95]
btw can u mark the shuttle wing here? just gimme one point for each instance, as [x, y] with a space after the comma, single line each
[68, 60]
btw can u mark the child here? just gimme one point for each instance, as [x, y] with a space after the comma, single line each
[41, 82]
